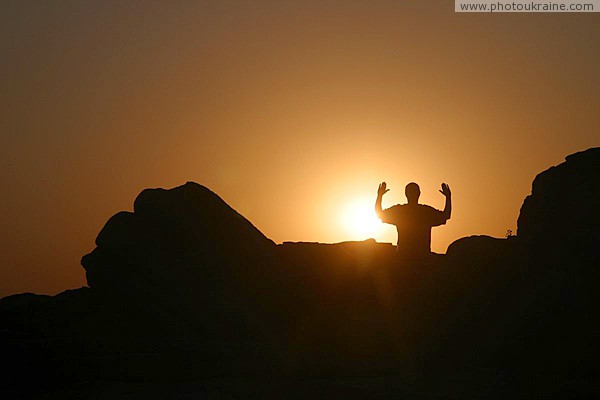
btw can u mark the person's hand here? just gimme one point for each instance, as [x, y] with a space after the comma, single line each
[382, 189]
[446, 190]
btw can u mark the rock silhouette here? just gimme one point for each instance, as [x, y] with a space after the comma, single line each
[185, 288]
[559, 222]
[185, 255]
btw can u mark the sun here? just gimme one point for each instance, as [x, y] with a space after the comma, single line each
[359, 220]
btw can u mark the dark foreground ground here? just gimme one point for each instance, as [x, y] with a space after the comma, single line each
[461, 385]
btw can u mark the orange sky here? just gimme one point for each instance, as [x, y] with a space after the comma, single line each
[288, 110]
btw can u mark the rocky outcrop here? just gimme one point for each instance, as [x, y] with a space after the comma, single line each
[185, 287]
[480, 249]
[185, 255]
[559, 222]
[187, 230]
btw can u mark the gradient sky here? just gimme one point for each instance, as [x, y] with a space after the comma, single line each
[289, 110]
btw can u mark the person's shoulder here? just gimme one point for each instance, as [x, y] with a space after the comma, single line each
[394, 210]
[395, 207]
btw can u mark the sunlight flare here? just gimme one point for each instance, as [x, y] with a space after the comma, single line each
[359, 220]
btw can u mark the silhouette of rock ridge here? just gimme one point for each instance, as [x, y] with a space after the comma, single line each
[559, 221]
[182, 253]
[184, 287]
[187, 229]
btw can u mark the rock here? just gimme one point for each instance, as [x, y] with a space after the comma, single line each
[184, 254]
[184, 287]
[480, 249]
[559, 222]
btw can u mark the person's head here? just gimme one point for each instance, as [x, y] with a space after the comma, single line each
[412, 192]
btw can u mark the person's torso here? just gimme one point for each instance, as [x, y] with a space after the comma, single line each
[414, 229]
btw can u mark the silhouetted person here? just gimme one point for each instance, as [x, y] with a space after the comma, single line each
[413, 222]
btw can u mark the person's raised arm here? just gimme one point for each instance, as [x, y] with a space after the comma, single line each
[380, 192]
[448, 207]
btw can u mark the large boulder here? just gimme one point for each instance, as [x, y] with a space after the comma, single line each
[479, 249]
[184, 255]
[559, 222]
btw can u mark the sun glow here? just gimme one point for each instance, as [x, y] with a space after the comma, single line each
[359, 220]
